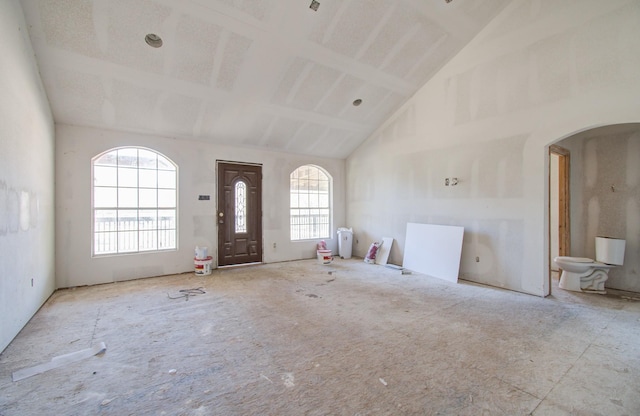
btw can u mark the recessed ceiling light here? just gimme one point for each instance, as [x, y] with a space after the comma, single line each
[357, 102]
[153, 40]
[314, 5]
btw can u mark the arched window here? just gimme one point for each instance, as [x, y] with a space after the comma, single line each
[310, 208]
[134, 201]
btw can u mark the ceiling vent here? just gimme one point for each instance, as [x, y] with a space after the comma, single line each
[314, 5]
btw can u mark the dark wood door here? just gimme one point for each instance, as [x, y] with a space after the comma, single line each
[239, 213]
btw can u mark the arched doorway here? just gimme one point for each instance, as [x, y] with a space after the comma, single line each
[604, 196]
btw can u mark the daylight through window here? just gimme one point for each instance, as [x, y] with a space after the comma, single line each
[310, 208]
[134, 202]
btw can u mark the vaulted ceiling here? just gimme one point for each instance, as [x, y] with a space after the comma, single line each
[273, 74]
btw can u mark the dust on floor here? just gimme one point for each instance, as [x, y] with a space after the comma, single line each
[347, 338]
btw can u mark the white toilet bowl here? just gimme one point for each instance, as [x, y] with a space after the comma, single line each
[582, 274]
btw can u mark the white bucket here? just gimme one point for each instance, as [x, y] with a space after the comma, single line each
[325, 256]
[202, 253]
[203, 266]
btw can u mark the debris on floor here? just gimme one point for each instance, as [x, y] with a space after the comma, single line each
[288, 380]
[384, 383]
[59, 361]
[371, 254]
[185, 293]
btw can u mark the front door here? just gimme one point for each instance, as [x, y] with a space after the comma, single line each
[239, 213]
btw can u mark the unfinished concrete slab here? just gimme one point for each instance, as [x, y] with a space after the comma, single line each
[346, 338]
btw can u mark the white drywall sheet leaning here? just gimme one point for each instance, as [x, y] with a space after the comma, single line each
[385, 249]
[433, 250]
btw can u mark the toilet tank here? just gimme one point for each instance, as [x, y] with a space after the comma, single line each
[610, 250]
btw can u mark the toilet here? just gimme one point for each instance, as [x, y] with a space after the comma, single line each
[582, 274]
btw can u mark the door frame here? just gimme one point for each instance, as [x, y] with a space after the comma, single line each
[564, 211]
[259, 219]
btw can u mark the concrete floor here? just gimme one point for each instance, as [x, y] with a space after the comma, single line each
[342, 339]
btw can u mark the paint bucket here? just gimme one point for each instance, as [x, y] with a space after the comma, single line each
[203, 266]
[201, 253]
[324, 256]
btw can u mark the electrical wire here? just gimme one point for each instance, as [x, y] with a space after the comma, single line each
[185, 293]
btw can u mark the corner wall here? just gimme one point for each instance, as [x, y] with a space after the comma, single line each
[26, 179]
[196, 160]
[539, 72]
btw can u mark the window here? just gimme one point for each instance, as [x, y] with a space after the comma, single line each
[241, 207]
[134, 201]
[310, 203]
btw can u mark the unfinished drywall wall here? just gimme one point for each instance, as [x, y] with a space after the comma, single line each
[196, 160]
[539, 72]
[605, 196]
[26, 179]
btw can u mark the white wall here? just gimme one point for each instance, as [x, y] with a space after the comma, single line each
[539, 72]
[196, 160]
[26, 179]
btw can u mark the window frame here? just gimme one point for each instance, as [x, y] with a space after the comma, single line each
[300, 232]
[157, 207]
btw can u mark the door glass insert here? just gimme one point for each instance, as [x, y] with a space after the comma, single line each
[241, 207]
